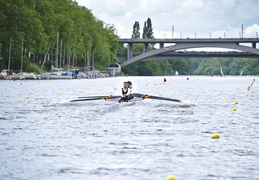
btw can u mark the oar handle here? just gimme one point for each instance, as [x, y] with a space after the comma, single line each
[145, 96]
[106, 97]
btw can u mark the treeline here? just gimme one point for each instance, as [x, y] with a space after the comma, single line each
[195, 66]
[160, 67]
[61, 29]
[230, 66]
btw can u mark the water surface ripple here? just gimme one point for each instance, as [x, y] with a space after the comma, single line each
[46, 137]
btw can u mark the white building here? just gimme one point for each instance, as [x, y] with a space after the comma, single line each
[113, 69]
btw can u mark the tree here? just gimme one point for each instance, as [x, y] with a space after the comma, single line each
[144, 34]
[148, 30]
[136, 33]
[60, 28]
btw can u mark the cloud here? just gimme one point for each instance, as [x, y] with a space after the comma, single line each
[252, 31]
[189, 17]
[229, 32]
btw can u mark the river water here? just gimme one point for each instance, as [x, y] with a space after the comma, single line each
[42, 136]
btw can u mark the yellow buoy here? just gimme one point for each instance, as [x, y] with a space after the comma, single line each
[234, 109]
[100, 90]
[215, 136]
[82, 91]
[58, 94]
[27, 97]
[235, 102]
[171, 178]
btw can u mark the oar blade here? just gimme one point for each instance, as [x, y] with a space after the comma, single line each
[145, 96]
[90, 98]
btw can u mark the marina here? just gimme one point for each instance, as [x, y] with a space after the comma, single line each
[56, 73]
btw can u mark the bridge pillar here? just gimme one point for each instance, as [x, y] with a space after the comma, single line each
[130, 51]
[161, 45]
[254, 45]
[145, 49]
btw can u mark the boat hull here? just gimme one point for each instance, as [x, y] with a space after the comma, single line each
[128, 102]
[55, 76]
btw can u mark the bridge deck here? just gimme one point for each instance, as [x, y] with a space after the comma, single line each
[190, 40]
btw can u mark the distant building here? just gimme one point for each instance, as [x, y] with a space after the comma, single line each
[113, 69]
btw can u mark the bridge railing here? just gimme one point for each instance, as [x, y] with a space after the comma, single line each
[168, 40]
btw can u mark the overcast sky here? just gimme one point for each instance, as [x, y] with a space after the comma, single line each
[219, 18]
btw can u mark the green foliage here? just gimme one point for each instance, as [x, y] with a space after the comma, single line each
[183, 66]
[33, 68]
[148, 30]
[149, 68]
[136, 29]
[49, 24]
[230, 66]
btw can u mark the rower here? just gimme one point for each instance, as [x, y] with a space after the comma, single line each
[125, 91]
[130, 96]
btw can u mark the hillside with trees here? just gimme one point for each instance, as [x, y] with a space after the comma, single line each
[61, 29]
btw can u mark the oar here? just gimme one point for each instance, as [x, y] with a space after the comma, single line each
[96, 98]
[145, 96]
[75, 100]
[85, 97]
[101, 97]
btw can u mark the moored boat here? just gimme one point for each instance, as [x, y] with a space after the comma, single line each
[56, 73]
[4, 74]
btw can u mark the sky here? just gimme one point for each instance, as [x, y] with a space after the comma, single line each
[190, 18]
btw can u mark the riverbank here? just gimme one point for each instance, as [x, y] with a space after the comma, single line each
[4, 75]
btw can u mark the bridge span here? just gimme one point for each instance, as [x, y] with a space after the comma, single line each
[195, 54]
[180, 44]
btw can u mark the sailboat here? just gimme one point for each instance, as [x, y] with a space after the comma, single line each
[176, 73]
[21, 75]
[55, 73]
[221, 71]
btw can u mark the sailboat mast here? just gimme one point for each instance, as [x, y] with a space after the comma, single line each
[64, 57]
[88, 60]
[10, 51]
[93, 60]
[60, 59]
[57, 52]
[85, 60]
[22, 57]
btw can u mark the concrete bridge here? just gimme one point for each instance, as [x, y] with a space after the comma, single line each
[195, 54]
[180, 44]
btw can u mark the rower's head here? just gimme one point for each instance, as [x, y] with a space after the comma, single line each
[125, 85]
[129, 83]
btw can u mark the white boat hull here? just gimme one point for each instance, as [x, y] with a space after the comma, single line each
[22, 76]
[129, 102]
[54, 76]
